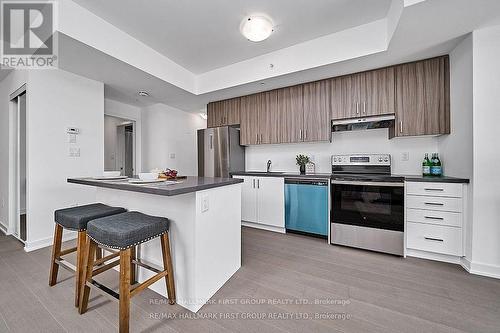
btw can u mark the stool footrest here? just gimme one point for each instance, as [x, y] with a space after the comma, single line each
[67, 251]
[106, 267]
[65, 264]
[147, 266]
[107, 291]
[106, 258]
[147, 283]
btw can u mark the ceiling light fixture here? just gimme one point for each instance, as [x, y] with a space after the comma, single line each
[143, 93]
[256, 28]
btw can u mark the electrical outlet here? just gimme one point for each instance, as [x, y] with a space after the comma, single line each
[204, 204]
[405, 156]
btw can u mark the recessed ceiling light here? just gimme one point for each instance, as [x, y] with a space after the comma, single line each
[143, 93]
[256, 28]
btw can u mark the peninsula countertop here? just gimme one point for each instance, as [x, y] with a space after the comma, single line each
[183, 186]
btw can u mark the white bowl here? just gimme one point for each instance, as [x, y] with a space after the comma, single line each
[111, 173]
[148, 175]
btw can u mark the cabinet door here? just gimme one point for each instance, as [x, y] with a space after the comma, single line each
[336, 107]
[317, 111]
[249, 127]
[268, 117]
[351, 95]
[379, 90]
[232, 111]
[248, 199]
[291, 114]
[271, 201]
[211, 115]
[422, 98]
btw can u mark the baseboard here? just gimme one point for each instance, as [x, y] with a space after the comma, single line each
[3, 228]
[488, 270]
[263, 227]
[433, 256]
[41, 243]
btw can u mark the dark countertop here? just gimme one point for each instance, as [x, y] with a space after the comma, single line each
[443, 179]
[188, 185]
[281, 174]
[408, 178]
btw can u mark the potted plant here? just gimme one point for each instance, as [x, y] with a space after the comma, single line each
[302, 160]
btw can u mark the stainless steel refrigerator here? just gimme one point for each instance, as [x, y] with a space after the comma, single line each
[219, 152]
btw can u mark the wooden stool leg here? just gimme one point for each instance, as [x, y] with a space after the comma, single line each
[79, 274]
[133, 267]
[167, 265]
[56, 250]
[88, 264]
[124, 290]
[98, 253]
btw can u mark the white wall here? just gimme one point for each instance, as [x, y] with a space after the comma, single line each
[486, 117]
[456, 149]
[110, 144]
[130, 112]
[7, 86]
[166, 131]
[368, 141]
[57, 100]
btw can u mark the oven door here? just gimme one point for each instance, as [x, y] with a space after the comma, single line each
[377, 205]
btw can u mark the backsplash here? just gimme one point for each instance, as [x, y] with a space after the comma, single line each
[369, 141]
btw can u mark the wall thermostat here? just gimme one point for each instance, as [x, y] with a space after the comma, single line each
[73, 130]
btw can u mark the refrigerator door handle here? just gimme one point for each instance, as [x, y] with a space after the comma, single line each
[211, 141]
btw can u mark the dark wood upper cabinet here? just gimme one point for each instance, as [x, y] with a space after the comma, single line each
[224, 113]
[379, 90]
[290, 114]
[268, 118]
[316, 106]
[249, 127]
[422, 98]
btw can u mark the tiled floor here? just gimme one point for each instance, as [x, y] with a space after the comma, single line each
[288, 283]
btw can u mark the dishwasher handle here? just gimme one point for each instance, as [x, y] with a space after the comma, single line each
[313, 182]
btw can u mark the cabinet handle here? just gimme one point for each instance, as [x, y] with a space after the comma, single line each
[364, 107]
[434, 239]
[254, 183]
[434, 189]
[357, 108]
[305, 134]
[257, 139]
[258, 183]
[433, 218]
[434, 203]
[261, 138]
[300, 134]
[401, 127]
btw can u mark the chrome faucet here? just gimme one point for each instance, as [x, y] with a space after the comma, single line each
[269, 165]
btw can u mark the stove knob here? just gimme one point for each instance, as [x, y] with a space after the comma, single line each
[386, 159]
[380, 159]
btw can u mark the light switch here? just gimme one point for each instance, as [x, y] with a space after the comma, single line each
[204, 204]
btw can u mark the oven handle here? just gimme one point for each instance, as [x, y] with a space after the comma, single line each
[384, 184]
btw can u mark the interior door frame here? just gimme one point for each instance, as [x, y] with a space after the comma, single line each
[14, 164]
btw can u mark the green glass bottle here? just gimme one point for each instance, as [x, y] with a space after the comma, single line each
[438, 167]
[426, 166]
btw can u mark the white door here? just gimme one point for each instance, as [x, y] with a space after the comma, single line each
[248, 199]
[271, 201]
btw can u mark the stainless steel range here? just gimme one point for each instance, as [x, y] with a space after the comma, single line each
[367, 208]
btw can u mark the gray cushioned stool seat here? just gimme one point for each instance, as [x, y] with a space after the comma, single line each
[76, 218]
[126, 230]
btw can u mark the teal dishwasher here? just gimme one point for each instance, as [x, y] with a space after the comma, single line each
[306, 206]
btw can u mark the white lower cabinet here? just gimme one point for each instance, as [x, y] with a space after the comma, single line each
[263, 202]
[434, 219]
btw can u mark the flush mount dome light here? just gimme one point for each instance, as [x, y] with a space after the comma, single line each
[256, 28]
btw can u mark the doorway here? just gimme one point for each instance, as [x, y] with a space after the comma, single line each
[18, 166]
[119, 145]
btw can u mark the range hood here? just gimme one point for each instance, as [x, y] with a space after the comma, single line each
[364, 123]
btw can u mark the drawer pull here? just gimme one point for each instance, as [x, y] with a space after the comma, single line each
[434, 218]
[434, 239]
[434, 189]
[434, 203]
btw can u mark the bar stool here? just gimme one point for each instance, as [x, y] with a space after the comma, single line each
[124, 232]
[76, 218]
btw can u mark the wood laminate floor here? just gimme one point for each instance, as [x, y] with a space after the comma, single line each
[287, 283]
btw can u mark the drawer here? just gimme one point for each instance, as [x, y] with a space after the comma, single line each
[434, 217]
[435, 189]
[434, 203]
[434, 238]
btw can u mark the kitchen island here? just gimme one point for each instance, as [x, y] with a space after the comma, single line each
[205, 230]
